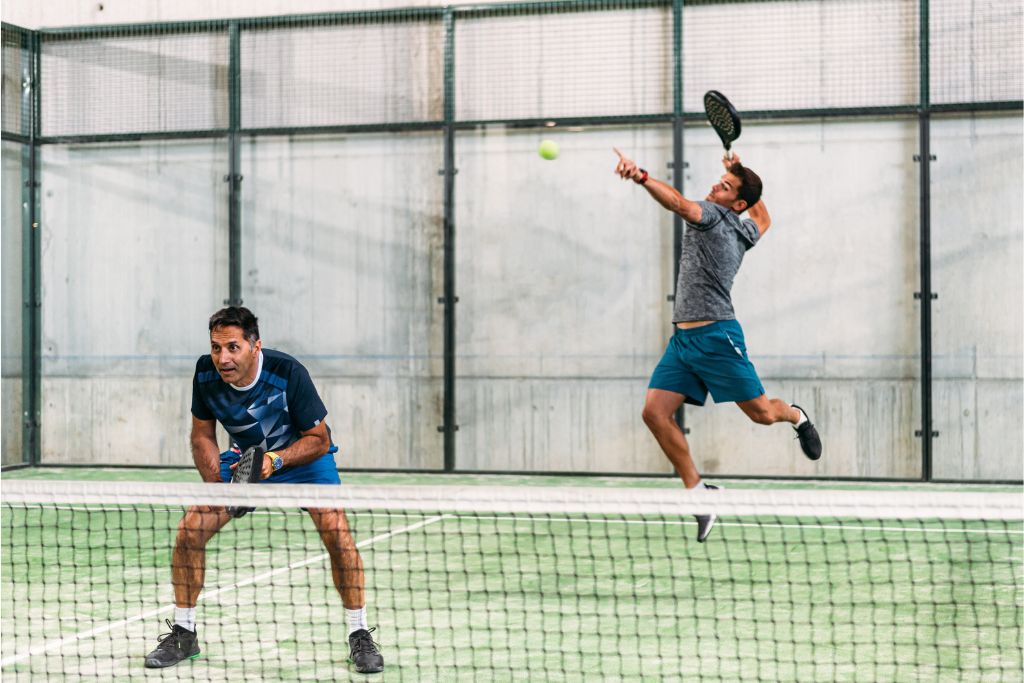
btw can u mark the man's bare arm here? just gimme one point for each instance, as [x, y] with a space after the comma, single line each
[759, 214]
[205, 452]
[663, 193]
[311, 445]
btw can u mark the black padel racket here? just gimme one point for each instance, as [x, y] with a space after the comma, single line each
[250, 466]
[723, 117]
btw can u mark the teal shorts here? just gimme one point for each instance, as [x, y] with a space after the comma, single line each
[709, 358]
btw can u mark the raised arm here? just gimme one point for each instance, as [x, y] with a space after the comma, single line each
[758, 212]
[663, 193]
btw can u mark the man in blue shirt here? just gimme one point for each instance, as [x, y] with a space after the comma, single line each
[264, 399]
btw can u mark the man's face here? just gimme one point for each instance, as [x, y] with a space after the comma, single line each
[233, 356]
[726, 193]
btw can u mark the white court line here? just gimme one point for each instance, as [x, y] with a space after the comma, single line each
[756, 525]
[61, 642]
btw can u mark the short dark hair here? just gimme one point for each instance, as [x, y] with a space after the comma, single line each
[750, 183]
[237, 316]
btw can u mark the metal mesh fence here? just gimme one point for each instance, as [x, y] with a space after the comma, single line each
[802, 55]
[527, 64]
[594, 60]
[976, 51]
[16, 111]
[134, 81]
[331, 73]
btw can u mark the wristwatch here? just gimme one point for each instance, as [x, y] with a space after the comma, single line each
[275, 460]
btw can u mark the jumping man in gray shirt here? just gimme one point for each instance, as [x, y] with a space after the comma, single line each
[707, 351]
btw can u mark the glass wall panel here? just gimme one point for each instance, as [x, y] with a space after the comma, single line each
[342, 262]
[134, 260]
[825, 298]
[11, 364]
[563, 272]
[978, 274]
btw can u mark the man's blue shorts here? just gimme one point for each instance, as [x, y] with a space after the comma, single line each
[712, 357]
[323, 470]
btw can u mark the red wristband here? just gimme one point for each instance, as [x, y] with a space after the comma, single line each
[643, 177]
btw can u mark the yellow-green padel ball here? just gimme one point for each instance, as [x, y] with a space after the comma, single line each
[548, 149]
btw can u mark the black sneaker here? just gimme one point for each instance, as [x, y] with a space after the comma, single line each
[705, 522]
[810, 442]
[363, 652]
[175, 646]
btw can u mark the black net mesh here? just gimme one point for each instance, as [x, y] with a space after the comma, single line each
[536, 585]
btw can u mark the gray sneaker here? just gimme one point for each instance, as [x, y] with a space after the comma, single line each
[705, 522]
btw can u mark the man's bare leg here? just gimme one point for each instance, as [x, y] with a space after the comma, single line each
[766, 411]
[349, 579]
[763, 410]
[188, 572]
[188, 565]
[346, 563]
[659, 414]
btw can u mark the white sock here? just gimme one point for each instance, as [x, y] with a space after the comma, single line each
[700, 484]
[803, 417]
[186, 617]
[356, 619]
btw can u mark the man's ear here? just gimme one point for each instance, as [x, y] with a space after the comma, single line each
[739, 206]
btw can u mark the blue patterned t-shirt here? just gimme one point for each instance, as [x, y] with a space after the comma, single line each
[272, 413]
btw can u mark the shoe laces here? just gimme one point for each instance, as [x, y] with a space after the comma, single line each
[167, 640]
[364, 641]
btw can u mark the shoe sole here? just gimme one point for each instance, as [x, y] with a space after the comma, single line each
[167, 666]
[370, 671]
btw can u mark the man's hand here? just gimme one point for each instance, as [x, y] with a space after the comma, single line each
[268, 466]
[730, 158]
[627, 168]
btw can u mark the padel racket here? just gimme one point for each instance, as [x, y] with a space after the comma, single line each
[723, 117]
[250, 466]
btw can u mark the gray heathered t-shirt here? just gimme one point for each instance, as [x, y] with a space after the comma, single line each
[712, 252]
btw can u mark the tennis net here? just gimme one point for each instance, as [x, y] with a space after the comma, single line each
[489, 583]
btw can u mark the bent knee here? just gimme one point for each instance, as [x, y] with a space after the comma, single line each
[656, 419]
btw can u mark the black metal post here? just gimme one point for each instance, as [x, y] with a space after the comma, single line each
[925, 158]
[449, 299]
[31, 258]
[678, 157]
[234, 177]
